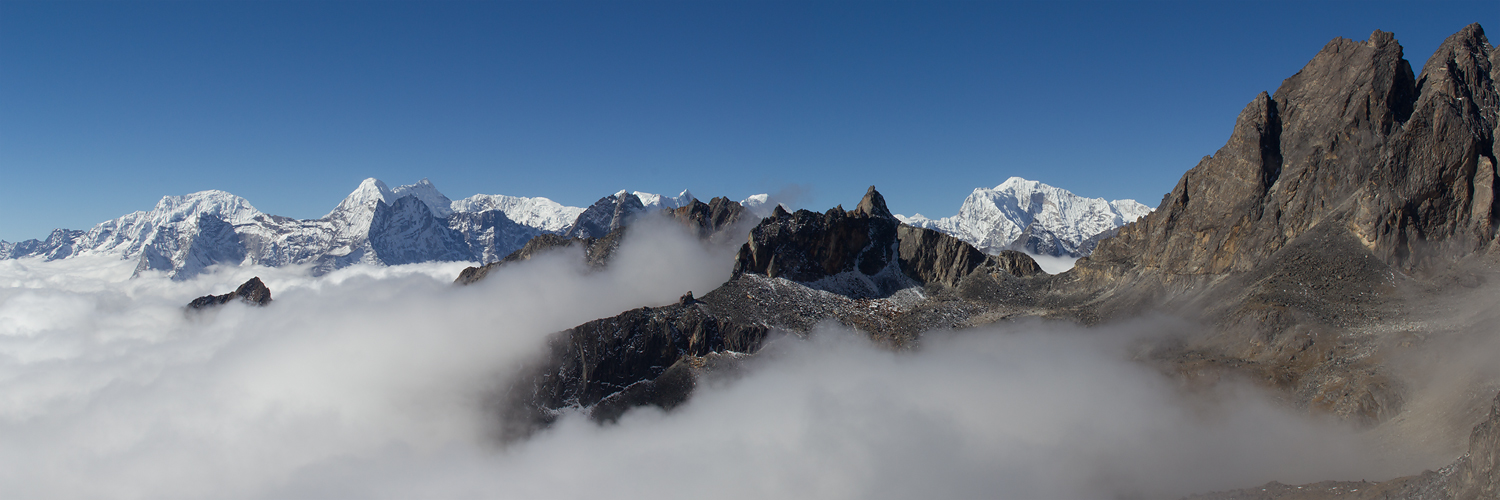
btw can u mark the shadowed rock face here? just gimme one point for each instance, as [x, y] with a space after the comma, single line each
[606, 215]
[599, 359]
[596, 253]
[252, 292]
[933, 257]
[808, 246]
[710, 219]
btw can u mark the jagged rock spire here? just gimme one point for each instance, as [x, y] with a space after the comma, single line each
[873, 205]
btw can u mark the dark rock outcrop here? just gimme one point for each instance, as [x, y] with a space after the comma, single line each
[596, 253]
[590, 362]
[710, 221]
[868, 243]
[653, 355]
[808, 246]
[252, 292]
[606, 215]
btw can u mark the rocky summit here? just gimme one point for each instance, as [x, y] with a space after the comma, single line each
[1347, 224]
[252, 292]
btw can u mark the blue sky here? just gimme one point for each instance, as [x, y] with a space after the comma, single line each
[105, 107]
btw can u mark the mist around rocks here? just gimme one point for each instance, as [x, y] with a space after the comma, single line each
[373, 382]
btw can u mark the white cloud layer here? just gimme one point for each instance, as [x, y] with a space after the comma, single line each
[370, 382]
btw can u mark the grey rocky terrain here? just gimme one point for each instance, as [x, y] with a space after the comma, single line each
[1340, 244]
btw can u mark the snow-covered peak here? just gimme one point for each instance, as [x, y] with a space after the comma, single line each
[1016, 184]
[656, 201]
[537, 212]
[440, 205]
[1030, 215]
[759, 204]
[369, 191]
[226, 206]
[914, 220]
[1130, 210]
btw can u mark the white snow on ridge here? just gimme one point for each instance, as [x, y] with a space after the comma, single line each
[440, 205]
[369, 191]
[537, 212]
[759, 204]
[1028, 215]
[128, 233]
[655, 201]
[375, 224]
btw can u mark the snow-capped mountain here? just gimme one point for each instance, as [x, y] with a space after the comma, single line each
[374, 224]
[540, 213]
[759, 205]
[656, 201]
[1035, 218]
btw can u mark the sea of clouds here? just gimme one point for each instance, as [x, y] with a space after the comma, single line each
[373, 382]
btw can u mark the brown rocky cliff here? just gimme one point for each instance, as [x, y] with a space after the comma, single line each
[1352, 137]
[1354, 180]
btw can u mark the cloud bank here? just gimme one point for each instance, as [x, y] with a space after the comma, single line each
[371, 382]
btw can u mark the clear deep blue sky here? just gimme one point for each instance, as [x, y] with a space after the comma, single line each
[106, 107]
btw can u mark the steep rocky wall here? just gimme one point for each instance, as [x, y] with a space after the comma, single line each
[1352, 133]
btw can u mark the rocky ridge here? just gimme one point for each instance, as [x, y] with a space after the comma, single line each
[1311, 248]
[858, 267]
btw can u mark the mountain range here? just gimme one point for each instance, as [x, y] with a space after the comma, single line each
[375, 224]
[184, 235]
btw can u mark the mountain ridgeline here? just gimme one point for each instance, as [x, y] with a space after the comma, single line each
[183, 235]
[1345, 224]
